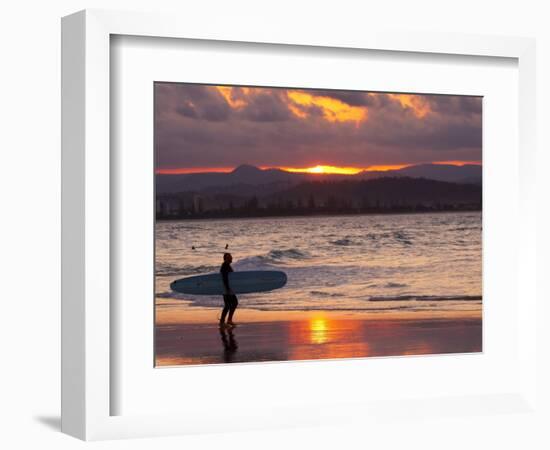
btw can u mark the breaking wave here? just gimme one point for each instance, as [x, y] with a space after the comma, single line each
[291, 253]
[272, 258]
[167, 270]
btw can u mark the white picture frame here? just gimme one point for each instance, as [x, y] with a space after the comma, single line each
[87, 355]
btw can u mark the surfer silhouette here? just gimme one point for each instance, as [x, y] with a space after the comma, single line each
[230, 301]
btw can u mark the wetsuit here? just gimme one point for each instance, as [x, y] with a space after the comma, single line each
[230, 300]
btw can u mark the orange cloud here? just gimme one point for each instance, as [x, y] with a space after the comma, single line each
[333, 109]
[417, 103]
[227, 93]
[297, 111]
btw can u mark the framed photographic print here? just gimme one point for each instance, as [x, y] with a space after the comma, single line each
[292, 215]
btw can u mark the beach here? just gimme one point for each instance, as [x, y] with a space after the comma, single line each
[183, 338]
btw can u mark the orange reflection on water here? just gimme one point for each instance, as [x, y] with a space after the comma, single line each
[318, 328]
[321, 337]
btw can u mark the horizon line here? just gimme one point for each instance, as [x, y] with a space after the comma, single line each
[320, 169]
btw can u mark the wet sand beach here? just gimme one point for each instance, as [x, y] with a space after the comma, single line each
[292, 336]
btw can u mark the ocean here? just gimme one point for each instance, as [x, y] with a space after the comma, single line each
[355, 263]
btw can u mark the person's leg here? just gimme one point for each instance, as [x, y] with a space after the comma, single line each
[233, 307]
[225, 310]
[230, 317]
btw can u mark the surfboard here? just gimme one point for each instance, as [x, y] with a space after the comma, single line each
[243, 282]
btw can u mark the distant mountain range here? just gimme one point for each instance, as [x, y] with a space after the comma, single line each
[468, 173]
[268, 181]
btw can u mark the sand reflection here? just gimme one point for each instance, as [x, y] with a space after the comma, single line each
[318, 330]
[322, 337]
[229, 343]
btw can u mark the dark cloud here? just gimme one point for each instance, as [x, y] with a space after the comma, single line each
[266, 107]
[454, 104]
[187, 110]
[188, 100]
[201, 102]
[197, 126]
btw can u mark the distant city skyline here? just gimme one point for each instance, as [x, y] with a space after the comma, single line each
[204, 128]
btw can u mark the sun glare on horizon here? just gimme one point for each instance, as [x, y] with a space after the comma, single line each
[323, 169]
[320, 169]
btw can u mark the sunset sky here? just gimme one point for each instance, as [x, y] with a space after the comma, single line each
[201, 128]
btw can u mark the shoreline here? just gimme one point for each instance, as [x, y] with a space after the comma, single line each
[378, 213]
[167, 314]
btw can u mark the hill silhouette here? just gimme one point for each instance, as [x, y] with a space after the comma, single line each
[247, 175]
